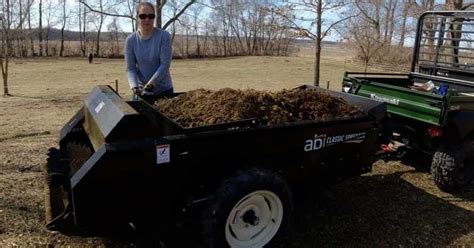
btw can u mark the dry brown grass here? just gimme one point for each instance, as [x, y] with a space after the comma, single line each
[394, 205]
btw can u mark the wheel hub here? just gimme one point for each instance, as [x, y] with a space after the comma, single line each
[249, 217]
[254, 220]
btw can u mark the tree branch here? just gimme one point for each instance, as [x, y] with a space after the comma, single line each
[162, 4]
[375, 22]
[174, 18]
[467, 6]
[334, 24]
[106, 13]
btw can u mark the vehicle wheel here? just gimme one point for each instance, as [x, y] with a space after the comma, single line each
[452, 169]
[252, 209]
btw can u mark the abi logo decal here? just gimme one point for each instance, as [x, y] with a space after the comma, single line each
[321, 141]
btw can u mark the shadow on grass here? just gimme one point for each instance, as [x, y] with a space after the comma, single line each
[467, 194]
[422, 163]
[366, 211]
[27, 97]
[381, 211]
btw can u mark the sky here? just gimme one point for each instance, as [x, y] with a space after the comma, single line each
[126, 25]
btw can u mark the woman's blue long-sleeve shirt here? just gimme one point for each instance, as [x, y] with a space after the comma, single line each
[149, 60]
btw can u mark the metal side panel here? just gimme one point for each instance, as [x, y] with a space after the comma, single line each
[71, 124]
[103, 111]
[109, 118]
[420, 106]
[113, 183]
[461, 102]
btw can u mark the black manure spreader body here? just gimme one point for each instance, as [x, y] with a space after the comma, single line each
[125, 164]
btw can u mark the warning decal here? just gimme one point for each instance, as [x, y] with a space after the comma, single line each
[162, 154]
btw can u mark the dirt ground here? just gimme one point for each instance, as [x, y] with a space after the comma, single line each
[395, 205]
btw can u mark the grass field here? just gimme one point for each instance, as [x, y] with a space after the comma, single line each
[395, 205]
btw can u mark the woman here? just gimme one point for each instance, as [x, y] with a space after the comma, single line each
[148, 56]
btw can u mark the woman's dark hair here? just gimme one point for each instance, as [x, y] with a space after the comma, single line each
[139, 5]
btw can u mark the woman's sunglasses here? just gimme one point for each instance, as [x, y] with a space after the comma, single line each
[144, 16]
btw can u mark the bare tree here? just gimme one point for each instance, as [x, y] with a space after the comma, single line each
[364, 37]
[20, 33]
[84, 29]
[389, 19]
[6, 44]
[10, 22]
[30, 32]
[64, 19]
[40, 27]
[196, 11]
[99, 28]
[174, 9]
[455, 30]
[318, 9]
[114, 30]
[81, 40]
[160, 5]
[403, 26]
[50, 22]
[131, 4]
[245, 27]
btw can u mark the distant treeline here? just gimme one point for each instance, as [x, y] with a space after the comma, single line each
[111, 45]
[184, 46]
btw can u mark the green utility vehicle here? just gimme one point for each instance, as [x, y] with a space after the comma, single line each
[431, 109]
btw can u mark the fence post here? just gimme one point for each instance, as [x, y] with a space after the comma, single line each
[327, 84]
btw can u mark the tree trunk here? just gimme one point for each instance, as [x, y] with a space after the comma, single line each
[455, 30]
[5, 46]
[20, 33]
[204, 50]
[32, 44]
[187, 42]
[173, 33]
[47, 41]
[97, 48]
[61, 51]
[131, 8]
[80, 27]
[117, 40]
[378, 4]
[403, 27]
[4, 65]
[40, 27]
[318, 42]
[455, 4]
[158, 21]
[392, 22]
[84, 21]
[387, 21]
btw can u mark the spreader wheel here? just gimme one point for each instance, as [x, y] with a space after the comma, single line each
[251, 209]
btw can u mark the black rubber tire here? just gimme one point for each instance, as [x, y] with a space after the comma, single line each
[231, 192]
[452, 169]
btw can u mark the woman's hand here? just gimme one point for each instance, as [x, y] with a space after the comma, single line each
[148, 87]
[137, 90]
